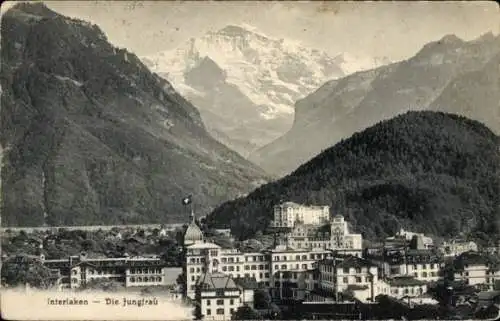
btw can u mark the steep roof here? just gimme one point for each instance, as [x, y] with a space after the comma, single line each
[216, 281]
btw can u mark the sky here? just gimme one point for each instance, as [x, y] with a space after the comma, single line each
[396, 30]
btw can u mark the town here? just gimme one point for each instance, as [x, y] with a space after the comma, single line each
[313, 266]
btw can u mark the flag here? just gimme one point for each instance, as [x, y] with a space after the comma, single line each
[186, 200]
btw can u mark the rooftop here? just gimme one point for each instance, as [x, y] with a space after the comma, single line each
[247, 282]
[347, 262]
[206, 245]
[404, 281]
[216, 281]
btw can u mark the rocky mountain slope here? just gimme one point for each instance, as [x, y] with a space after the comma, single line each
[245, 83]
[91, 136]
[426, 171]
[449, 75]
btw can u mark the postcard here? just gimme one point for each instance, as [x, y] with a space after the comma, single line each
[250, 160]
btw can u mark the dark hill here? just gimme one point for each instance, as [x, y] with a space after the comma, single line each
[91, 136]
[429, 171]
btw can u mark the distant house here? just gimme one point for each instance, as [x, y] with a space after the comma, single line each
[404, 287]
[225, 232]
[457, 247]
[425, 241]
[487, 298]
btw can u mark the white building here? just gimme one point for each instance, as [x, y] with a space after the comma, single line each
[350, 274]
[334, 237]
[78, 271]
[288, 213]
[427, 242]
[218, 296]
[457, 247]
[276, 268]
[476, 270]
[422, 265]
[404, 287]
[286, 266]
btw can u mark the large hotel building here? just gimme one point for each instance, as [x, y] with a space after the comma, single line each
[289, 265]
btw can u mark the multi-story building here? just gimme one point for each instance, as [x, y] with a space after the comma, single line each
[350, 274]
[403, 287]
[287, 214]
[476, 269]
[362, 279]
[278, 268]
[77, 271]
[427, 242]
[288, 265]
[333, 236]
[217, 296]
[423, 265]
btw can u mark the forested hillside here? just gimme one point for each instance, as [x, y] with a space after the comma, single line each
[428, 171]
[91, 136]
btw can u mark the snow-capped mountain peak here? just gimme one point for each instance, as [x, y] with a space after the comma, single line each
[271, 73]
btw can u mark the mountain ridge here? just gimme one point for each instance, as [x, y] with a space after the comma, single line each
[342, 106]
[264, 77]
[91, 136]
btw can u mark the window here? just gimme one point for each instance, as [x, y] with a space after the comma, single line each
[224, 268]
[276, 267]
[209, 312]
[191, 270]
[208, 302]
[283, 266]
[231, 268]
[231, 302]
[358, 279]
[266, 275]
[220, 302]
[345, 279]
[346, 270]
[358, 270]
[232, 310]
[220, 311]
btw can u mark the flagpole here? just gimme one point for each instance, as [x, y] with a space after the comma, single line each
[192, 211]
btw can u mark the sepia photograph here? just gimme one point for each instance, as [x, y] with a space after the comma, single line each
[250, 160]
